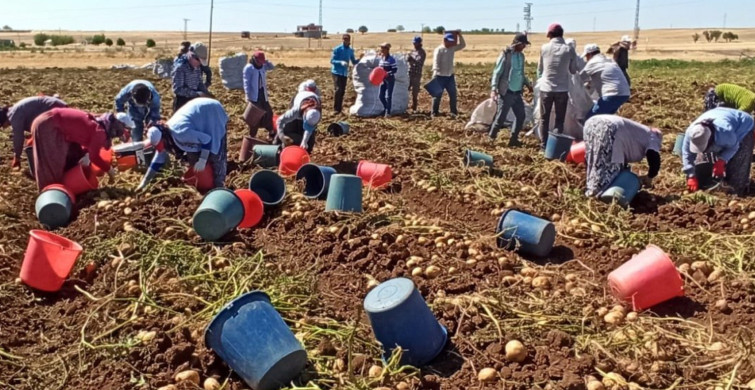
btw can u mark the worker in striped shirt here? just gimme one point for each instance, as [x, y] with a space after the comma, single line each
[187, 81]
[388, 63]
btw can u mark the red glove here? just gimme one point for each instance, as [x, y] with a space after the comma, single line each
[692, 184]
[719, 168]
[15, 163]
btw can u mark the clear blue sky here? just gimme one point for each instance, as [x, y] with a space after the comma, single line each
[338, 15]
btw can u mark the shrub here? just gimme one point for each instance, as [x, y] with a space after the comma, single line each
[427, 29]
[39, 39]
[58, 40]
[400, 28]
[440, 30]
[120, 42]
[362, 29]
[349, 31]
[151, 43]
[695, 37]
[97, 39]
[707, 35]
[393, 30]
[22, 45]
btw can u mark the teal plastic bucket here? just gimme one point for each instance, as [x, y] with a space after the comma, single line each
[474, 158]
[269, 186]
[558, 146]
[678, 145]
[54, 206]
[622, 189]
[344, 194]
[266, 156]
[220, 212]
[338, 128]
[526, 233]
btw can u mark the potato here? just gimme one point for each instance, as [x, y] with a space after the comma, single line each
[187, 376]
[417, 271]
[432, 272]
[168, 387]
[487, 374]
[515, 351]
[541, 282]
[375, 371]
[632, 316]
[614, 317]
[595, 385]
[211, 384]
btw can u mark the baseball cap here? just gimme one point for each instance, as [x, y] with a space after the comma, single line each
[417, 39]
[201, 51]
[259, 56]
[699, 136]
[449, 37]
[591, 48]
[521, 38]
[311, 119]
[626, 38]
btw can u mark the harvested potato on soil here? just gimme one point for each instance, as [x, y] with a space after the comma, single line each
[515, 351]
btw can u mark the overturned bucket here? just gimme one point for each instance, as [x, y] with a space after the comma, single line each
[479, 159]
[54, 206]
[251, 337]
[344, 193]
[400, 317]
[80, 179]
[374, 175]
[220, 212]
[647, 279]
[203, 181]
[316, 180]
[48, 260]
[526, 233]
[247, 145]
[253, 208]
[270, 187]
[558, 146]
[577, 153]
[291, 159]
[266, 156]
[338, 128]
[622, 189]
[678, 145]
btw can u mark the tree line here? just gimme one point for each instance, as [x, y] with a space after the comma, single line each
[715, 35]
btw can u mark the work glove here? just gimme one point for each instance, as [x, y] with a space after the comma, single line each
[344, 63]
[719, 168]
[200, 165]
[16, 163]
[692, 184]
[151, 173]
[494, 95]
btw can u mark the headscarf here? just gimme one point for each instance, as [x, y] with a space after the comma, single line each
[161, 139]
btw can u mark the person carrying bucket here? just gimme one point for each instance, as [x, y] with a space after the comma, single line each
[20, 117]
[257, 95]
[342, 55]
[605, 77]
[443, 69]
[730, 95]
[388, 63]
[612, 142]
[557, 62]
[143, 103]
[63, 136]
[726, 134]
[507, 85]
[298, 125]
[195, 134]
[416, 59]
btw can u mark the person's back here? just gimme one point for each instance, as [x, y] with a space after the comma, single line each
[737, 97]
[557, 63]
[607, 77]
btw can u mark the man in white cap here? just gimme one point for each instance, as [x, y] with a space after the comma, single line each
[605, 77]
[201, 51]
[443, 69]
[727, 134]
[298, 125]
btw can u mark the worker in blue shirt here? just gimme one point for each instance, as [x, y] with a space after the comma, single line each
[342, 55]
[143, 103]
[388, 63]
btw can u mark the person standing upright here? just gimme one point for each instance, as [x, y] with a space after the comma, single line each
[343, 54]
[507, 85]
[416, 60]
[621, 55]
[201, 51]
[388, 63]
[258, 112]
[557, 61]
[443, 69]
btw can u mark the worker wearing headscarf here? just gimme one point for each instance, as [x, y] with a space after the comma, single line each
[63, 136]
[187, 80]
[195, 134]
[298, 125]
[142, 101]
[606, 78]
[20, 117]
[730, 95]
[258, 111]
[308, 85]
[725, 133]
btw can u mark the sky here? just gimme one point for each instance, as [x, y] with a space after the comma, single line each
[338, 15]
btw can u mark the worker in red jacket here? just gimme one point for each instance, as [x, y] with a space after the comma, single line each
[62, 136]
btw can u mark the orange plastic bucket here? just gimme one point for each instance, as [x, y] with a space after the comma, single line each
[647, 279]
[377, 76]
[105, 154]
[127, 162]
[253, 208]
[374, 175]
[291, 159]
[577, 153]
[275, 123]
[48, 260]
[202, 181]
[80, 179]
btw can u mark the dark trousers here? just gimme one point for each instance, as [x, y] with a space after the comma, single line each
[340, 85]
[509, 101]
[180, 101]
[449, 84]
[547, 101]
[295, 131]
[415, 83]
[386, 93]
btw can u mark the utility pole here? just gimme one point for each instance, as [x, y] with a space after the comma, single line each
[209, 45]
[186, 21]
[319, 40]
[517, 27]
[636, 23]
[528, 17]
[422, 31]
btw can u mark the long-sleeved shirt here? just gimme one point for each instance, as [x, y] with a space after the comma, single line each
[632, 140]
[443, 58]
[621, 55]
[187, 81]
[295, 112]
[509, 72]
[256, 79]
[23, 113]
[605, 76]
[416, 60]
[389, 65]
[340, 55]
[81, 128]
[199, 124]
[557, 61]
[731, 126]
[736, 96]
[125, 96]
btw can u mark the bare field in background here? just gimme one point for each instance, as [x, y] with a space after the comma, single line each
[283, 48]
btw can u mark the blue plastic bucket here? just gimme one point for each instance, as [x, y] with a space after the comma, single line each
[344, 193]
[339, 128]
[270, 187]
[220, 212]
[251, 337]
[434, 88]
[558, 146]
[266, 156]
[623, 188]
[53, 208]
[678, 144]
[525, 233]
[400, 317]
[474, 158]
[316, 180]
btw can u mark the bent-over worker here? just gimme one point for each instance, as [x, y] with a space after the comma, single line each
[730, 95]
[605, 77]
[143, 102]
[298, 125]
[20, 117]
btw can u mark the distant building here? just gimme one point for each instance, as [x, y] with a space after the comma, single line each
[310, 31]
[246, 34]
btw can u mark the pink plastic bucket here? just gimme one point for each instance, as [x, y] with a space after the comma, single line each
[647, 279]
[48, 260]
[374, 175]
[80, 179]
[577, 153]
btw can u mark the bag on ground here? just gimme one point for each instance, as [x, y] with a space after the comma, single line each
[368, 102]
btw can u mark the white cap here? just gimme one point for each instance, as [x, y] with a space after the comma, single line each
[125, 119]
[311, 119]
[590, 48]
[154, 136]
[699, 136]
[626, 38]
[201, 51]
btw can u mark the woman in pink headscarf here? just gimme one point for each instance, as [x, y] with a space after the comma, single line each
[258, 112]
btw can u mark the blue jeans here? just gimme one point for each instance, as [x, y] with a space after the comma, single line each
[509, 101]
[138, 115]
[607, 105]
[386, 93]
[449, 84]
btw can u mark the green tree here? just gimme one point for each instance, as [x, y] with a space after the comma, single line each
[716, 34]
[349, 31]
[39, 39]
[400, 28]
[707, 35]
[362, 29]
[97, 39]
[7, 28]
[427, 29]
[120, 42]
[439, 30]
[695, 37]
[109, 42]
[151, 43]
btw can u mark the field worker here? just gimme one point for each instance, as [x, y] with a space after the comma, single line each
[20, 117]
[342, 55]
[257, 95]
[621, 55]
[388, 63]
[557, 61]
[187, 80]
[612, 142]
[195, 134]
[63, 136]
[605, 77]
[183, 49]
[143, 103]
[507, 85]
[201, 51]
[443, 69]
[416, 60]
[727, 134]
[298, 125]
[730, 95]
[308, 85]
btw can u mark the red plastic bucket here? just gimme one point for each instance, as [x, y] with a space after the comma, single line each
[647, 279]
[62, 188]
[48, 260]
[374, 175]
[291, 159]
[577, 153]
[253, 208]
[127, 162]
[105, 154]
[275, 123]
[202, 181]
[80, 179]
[377, 76]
